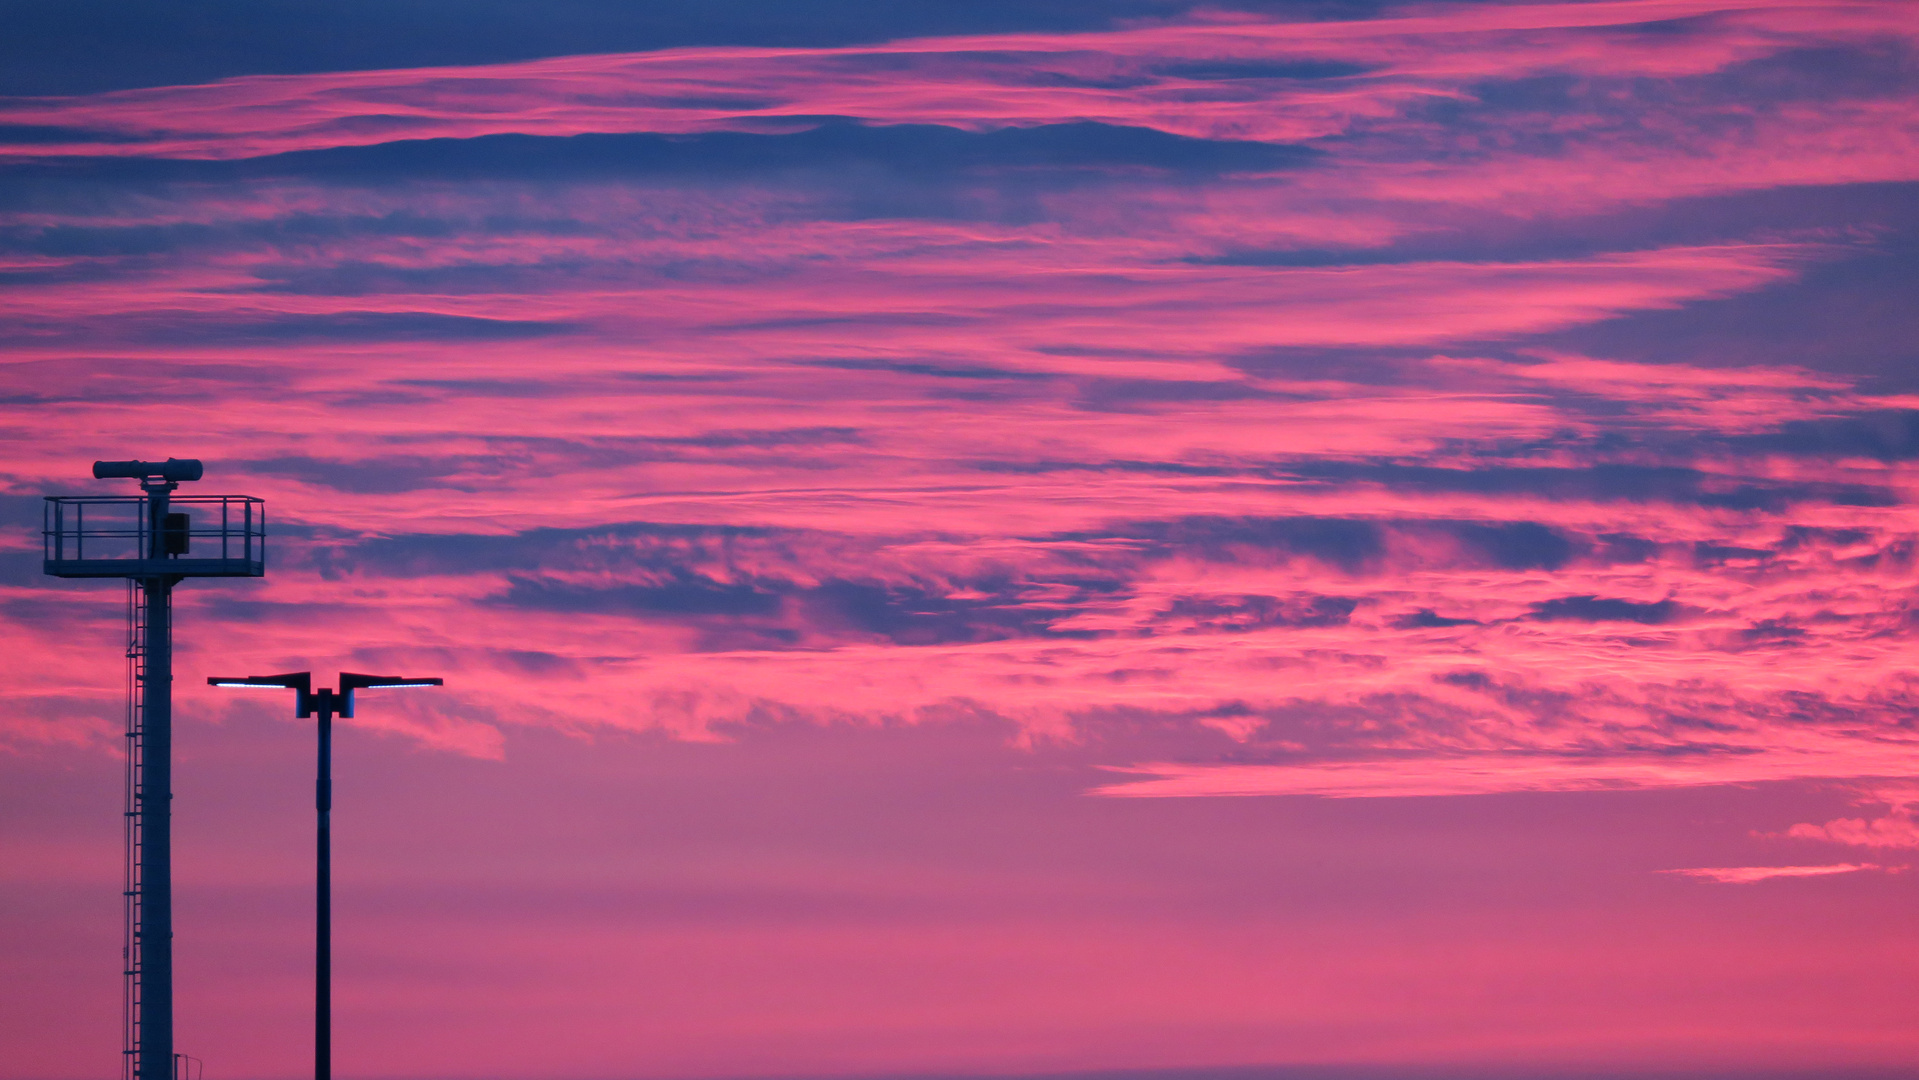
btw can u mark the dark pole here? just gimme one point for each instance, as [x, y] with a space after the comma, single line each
[329, 704]
[323, 927]
[147, 1052]
[155, 809]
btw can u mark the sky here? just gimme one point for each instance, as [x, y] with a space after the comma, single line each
[983, 538]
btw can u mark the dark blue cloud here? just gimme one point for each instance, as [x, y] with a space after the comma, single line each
[889, 318]
[1600, 609]
[392, 473]
[85, 46]
[57, 275]
[1773, 632]
[539, 664]
[53, 135]
[1350, 544]
[1260, 69]
[1369, 366]
[1235, 614]
[22, 568]
[928, 370]
[1883, 69]
[1518, 545]
[1488, 236]
[1343, 542]
[914, 616]
[1853, 316]
[1132, 395]
[1161, 468]
[1603, 482]
[299, 231]
[1875, 436]
[1427, 619]
[642, 545]
[778, 611]
[685, 595]
[353, 278]
[912, 150]
[1886, 435]
[1710, 554]
[694, 570]
[1625, 548]
[378, 326]
[127, 380]
[21, 511]
[345, 326]
[1796, 537]
[379, 476]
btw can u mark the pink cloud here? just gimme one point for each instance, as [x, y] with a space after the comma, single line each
[984, 83]
[1896, 829]
[980, 81]
[1746, 875]
[1773, 756]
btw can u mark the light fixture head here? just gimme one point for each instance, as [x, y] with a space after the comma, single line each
[351, 681]
[300, 682]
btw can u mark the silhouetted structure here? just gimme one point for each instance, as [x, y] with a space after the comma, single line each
[149, 540]
[328, 703]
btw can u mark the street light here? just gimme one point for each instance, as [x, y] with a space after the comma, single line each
[328, 704]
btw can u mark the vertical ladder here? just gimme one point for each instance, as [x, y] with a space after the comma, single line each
[130, 947]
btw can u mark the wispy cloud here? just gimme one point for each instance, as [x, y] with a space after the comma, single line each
[1746, 875]
[1896, 829]
[1231, 76]
[1755, 758]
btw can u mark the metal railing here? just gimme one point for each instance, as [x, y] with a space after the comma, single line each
[112, 535]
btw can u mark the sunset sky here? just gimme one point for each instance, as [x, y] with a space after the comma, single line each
[984, 537]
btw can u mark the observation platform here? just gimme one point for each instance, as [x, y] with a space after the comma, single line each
[105, 536]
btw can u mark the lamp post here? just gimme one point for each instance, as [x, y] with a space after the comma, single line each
[328, 704]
